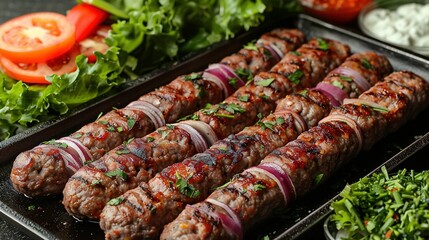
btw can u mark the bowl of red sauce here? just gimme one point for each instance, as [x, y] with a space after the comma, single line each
[335, 11]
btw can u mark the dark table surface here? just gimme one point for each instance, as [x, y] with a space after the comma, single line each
[10, 9]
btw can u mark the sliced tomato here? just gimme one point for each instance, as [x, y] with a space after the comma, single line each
[95, 42]
[36, 37]
[86, 18]
[36, 72]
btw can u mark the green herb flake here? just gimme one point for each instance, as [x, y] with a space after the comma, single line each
[295, 53]
[31, 208]
[164, 134]
[77, 135]
[265, 125]
[120, 129]
[111, 129]
[193, 76]
[244, 98]
[150, 139]
[122, 151]
[323, 45]
[265, 97]
[131, 122]
[244, 74]
[102, 122]
[53, 142]
[223, 115]
[280, 120]
[346, 78]
[318, 178]
[128, 141]
[296, 76]
[366, 64]
[338, 84]
[233, 82]
[303, 92]
[234, 108]
[95, 182]
[224, 185]
[170, 126]
[117, 173]
[185, 188]
[115, 201]
[251, 46]
[258, 187]
[99, 116]
[265, 82]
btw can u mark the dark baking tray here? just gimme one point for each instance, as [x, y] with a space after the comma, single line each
[49, 220]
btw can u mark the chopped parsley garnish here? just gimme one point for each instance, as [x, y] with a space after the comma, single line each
[318, 178]
[346, 78]
[99, 116]
[244, 74]
[120, 129]
[338, 84]
[244, 98]
[366, 64]
[323, 45]
[117, 173]
[103, 122]
[383, 206]
[115, 201]
[128, 141]
[265, 82]
[170, 126]
[95, 182]
[131, 122]
[150, 139]
[280, 120]
[303, 92]
[234, 108]
[251, 46]
[122, 151]
[31, 207]
[193, 76]
[266, 125]
[77, 135]
[258, 187]
[111, 129]
[380, 109]
[164, 134]
[296, 76]
[55, 143]
[223, 115]
[295, 53]
[185, 188]
[233, 82]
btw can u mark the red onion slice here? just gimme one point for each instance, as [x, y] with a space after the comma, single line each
[275, 52]
[231, 222]
[199, 142]
[280, 177]
[83, 151]
[228, 73]
[333, 101]
[150, 110]
[358, 101]
[348, 121]
[360, 81]
[334, 91]
[204, 129]
[216, 76]
[299, 122]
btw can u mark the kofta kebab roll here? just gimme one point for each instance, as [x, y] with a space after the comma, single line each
[45, 169]
[143, 211]
[90, 188]
[290, 171]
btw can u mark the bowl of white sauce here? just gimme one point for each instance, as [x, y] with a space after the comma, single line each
[398, 22]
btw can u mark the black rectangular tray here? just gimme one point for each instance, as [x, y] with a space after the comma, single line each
[49, 220]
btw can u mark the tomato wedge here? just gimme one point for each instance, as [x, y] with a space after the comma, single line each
[86, 19]
[36, 37]
[36, 72]
[95, 42]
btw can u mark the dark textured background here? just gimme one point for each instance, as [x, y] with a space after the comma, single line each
[10, 9]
